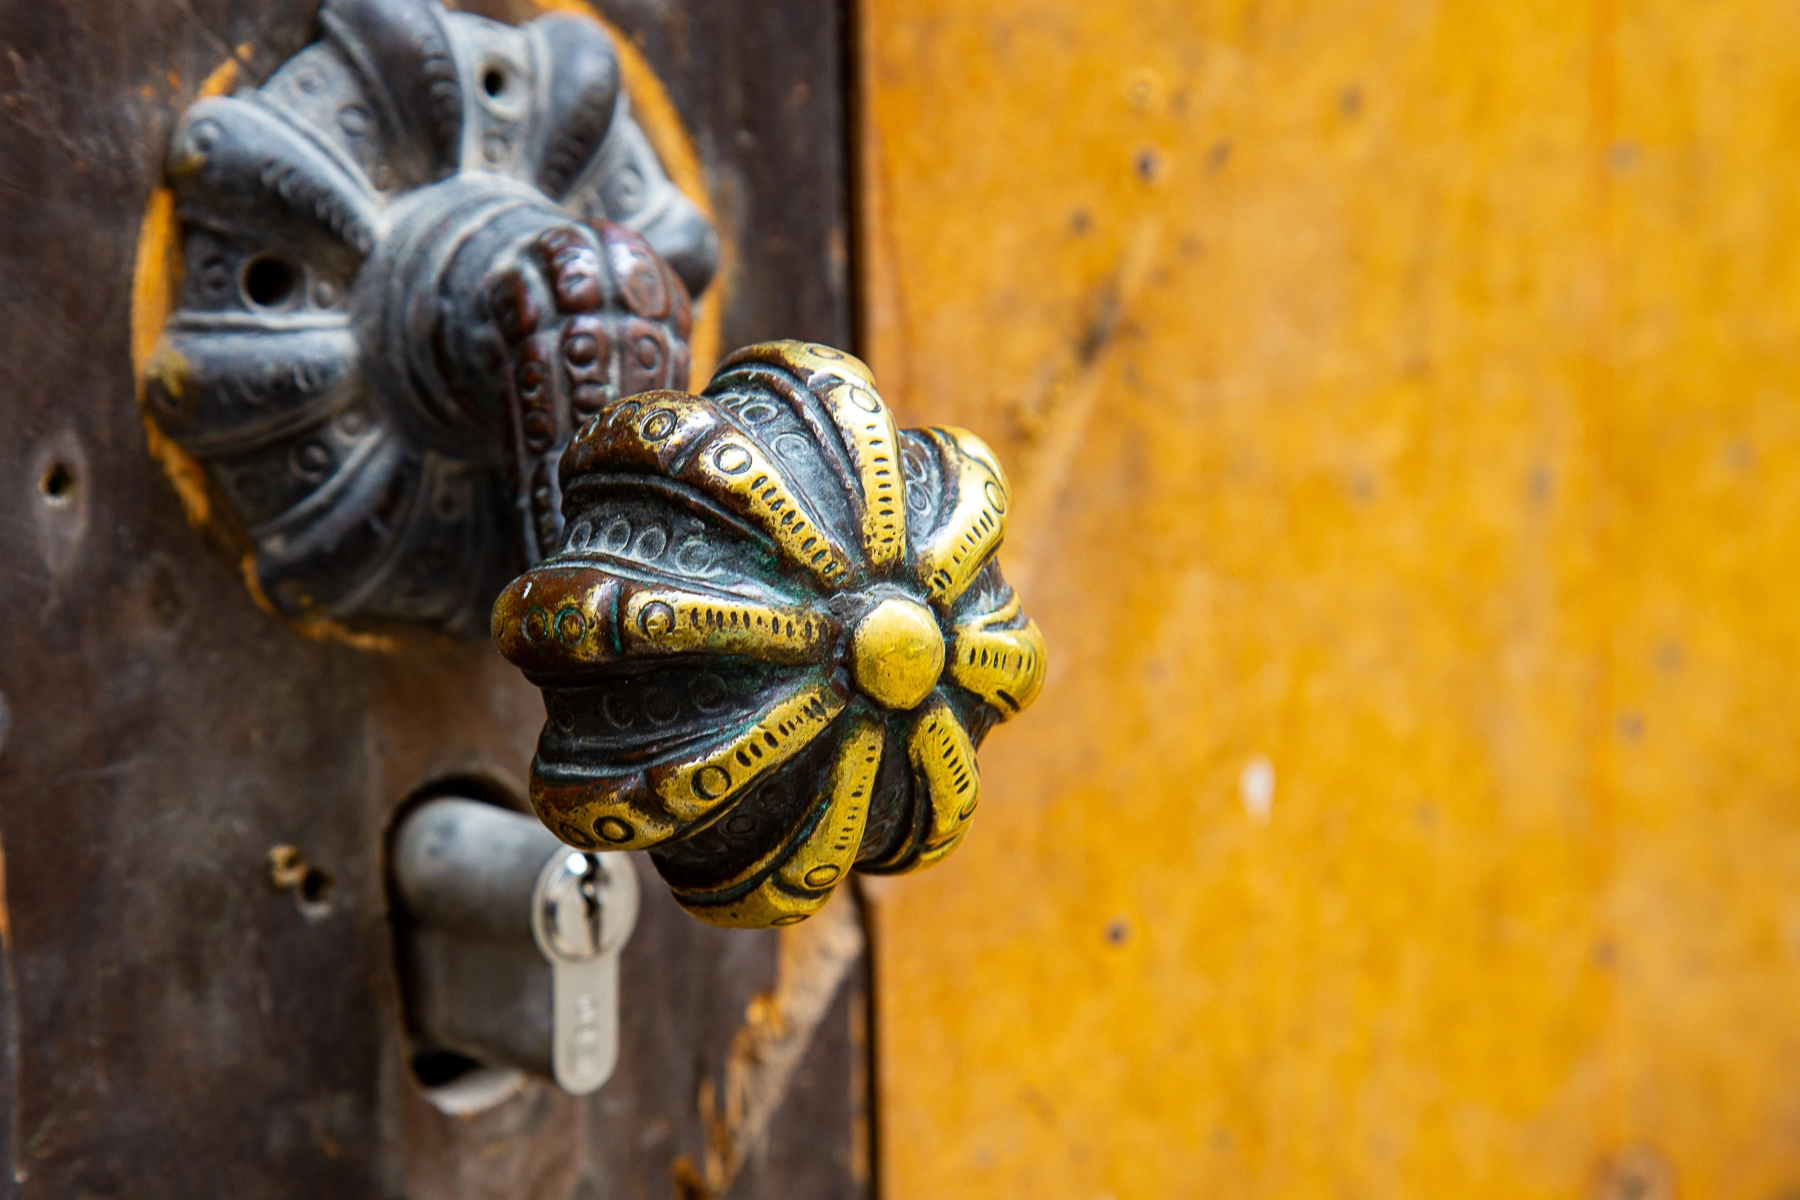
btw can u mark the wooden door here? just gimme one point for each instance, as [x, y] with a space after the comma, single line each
[171, 1023]
[1401, 408]
[1404, 411]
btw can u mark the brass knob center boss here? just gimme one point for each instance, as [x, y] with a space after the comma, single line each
[772, 637]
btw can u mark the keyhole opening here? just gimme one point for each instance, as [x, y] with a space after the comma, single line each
[439, 1068]
[493, 81]
[453, 1081]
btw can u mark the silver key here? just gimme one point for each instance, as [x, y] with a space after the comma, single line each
[582, 913]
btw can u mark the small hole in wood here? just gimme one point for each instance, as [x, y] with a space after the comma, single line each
[58, 484]
[315, 889]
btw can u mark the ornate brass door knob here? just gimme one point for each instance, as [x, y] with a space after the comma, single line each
[772, 637]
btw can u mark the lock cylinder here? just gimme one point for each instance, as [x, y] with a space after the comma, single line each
[509, 941]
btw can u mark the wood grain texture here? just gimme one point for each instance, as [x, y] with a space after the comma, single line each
[170, 1025]
[1405, 413]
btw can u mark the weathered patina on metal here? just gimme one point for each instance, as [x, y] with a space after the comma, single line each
[387, 251]
[773, 636]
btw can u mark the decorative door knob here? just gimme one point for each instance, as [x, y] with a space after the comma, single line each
[772, 637]
[436, 293]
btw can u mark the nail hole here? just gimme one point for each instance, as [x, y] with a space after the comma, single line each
[58, 484]
[315, 889]
[493, 81]
[312, 886]
[270, 281]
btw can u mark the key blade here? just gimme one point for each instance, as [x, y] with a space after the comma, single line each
[585, 1023]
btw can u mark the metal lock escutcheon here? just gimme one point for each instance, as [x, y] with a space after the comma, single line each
[433, 329]
[391, 253]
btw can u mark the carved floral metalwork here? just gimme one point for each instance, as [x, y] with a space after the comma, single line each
[389, 248]
[772, 637]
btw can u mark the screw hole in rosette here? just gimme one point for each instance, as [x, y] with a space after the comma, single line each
[270, 281]
[504, 89]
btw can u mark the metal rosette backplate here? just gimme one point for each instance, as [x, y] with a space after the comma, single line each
[334, 362]
[773, 636]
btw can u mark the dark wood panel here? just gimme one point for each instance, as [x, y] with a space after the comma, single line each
[763, 85]
[812, 1150]
[170, 1025]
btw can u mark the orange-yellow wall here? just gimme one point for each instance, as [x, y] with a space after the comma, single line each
[1406, 394]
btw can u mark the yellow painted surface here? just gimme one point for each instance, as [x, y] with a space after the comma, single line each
[1403, 406]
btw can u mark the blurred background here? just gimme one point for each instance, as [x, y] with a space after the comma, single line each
[1400, 398]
